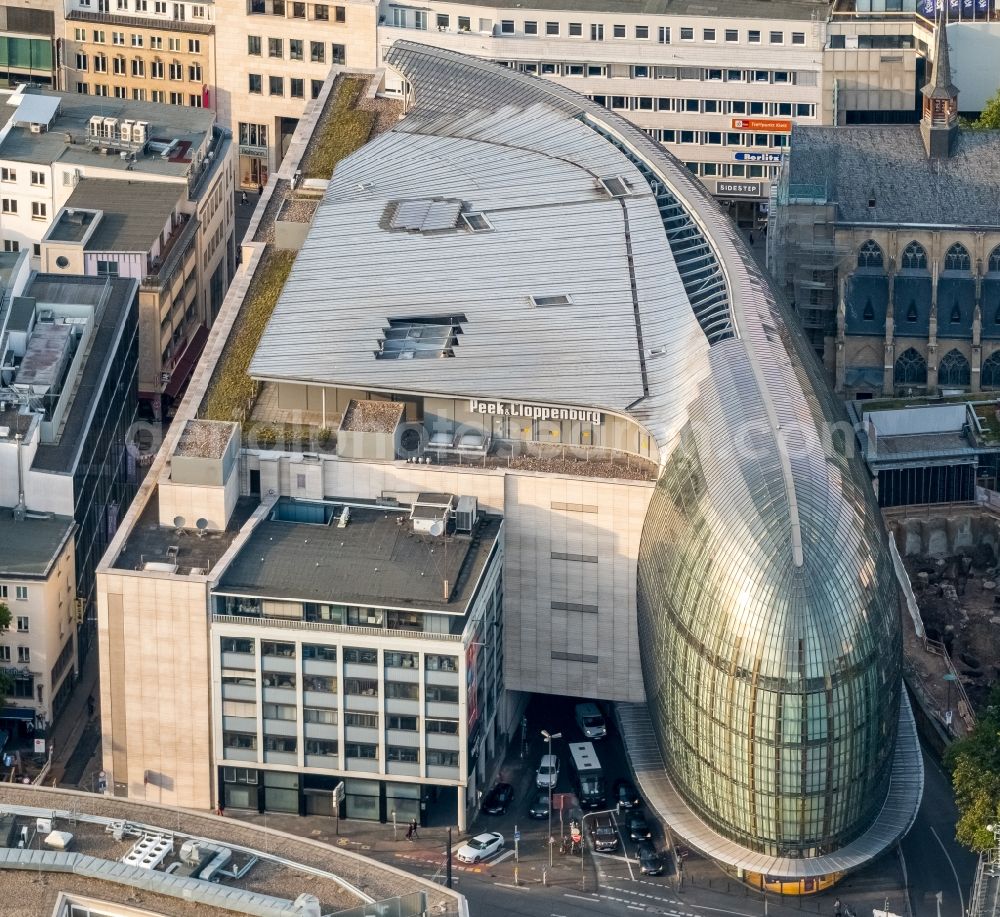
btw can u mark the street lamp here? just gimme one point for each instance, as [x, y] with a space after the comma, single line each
[548, 738]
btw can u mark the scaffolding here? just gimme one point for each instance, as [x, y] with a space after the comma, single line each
[986, 891]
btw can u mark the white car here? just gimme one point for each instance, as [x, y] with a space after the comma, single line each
[481, 847]
[547, 775]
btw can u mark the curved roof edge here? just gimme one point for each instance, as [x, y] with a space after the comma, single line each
[894, 820]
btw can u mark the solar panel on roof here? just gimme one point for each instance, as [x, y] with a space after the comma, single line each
[616, 186]
[426, 215]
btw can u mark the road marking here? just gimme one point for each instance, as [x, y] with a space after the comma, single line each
[954, 872]
[698, 907]
[503, 856]
[636, 907]
[520, 888]
[581, 897]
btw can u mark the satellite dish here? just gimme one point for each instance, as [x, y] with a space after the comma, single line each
[201, 525]
[437, 528]
[179, 522]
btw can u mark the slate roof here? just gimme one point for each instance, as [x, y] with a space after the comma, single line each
[909, 188]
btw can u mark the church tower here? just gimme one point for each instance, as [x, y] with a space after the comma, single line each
[939, 124]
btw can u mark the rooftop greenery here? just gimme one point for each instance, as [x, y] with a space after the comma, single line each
[343, 130]
[231, 392]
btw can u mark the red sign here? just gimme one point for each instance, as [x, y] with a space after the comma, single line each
[775, 125]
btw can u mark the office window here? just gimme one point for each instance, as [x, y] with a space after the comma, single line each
[753, 36]
[81, 61]
[402, 753]
[298, 10]
[3, 589]
[136, 40]
[198, 12]
[141, 6]
[296, 88]
[5, 650]
[398, 17]
[156, 42]
[100, 63]
[21, 593]
[194, 101]
[160, 7]
[11, 245]
[24, 654]
[194, 73]
[708, 35]
[777, 38]
[664, 34]
[506, 26]
[295, 48]
[340, 13]
[275, 47]
[194, 46]
[687, 33]
[39, 211]
[531, 28]
[22, 624]
[80, 34]
[597, 31]
[276, 85]
[618, 31]
[158, 95]
[176, 71]
[642, 31]
[321, 12]
[317, 52]
[253, 45]
[420, 20]
[576, 30]
[179, 12]
[173, 44]
[156, 69]
[38, 179]
[255, 83]
[551, 28]
[82, 88]
[138, 66]
[338, 54]
[119, 66]
[315, 88]
[732, 35]
[443, 21]
[107, 268]
[99, 36]
[100, 89]
[798, 38]
[117, 38]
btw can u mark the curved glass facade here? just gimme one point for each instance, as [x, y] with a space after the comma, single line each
[774, 687]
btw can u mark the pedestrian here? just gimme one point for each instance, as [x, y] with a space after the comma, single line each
[751, 237]
[413, 827]
[836, 908]
[243, 198]
[220, 809]
[260, 189]
[409, 831]
[91, 705]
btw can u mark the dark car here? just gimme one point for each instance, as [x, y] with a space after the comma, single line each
[625, 796]
[603, 834]
[650, 862]
[637, 826]
[496, 801]
[539, 807]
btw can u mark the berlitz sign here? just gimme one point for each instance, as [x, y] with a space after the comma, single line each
[533, 411]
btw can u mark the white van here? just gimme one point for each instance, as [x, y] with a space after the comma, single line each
[590, 721]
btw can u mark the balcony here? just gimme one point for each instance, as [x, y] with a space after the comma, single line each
[438, 677]
[239, 692]
[240, 723]
[322, 627]
[361, 734]
[278, 664]
[160, 270]
[239, 754]
[363, 703]
[280, 727]
[319, 667]
[443, 773]
[319, 699]
[403, 768]
[402, 705]
[329, 731]
[442, 742]
[281, 757]
[330, 762]
[239, 661]
[364, 765]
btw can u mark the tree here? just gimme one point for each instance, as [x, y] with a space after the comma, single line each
[975, 774]
[989, 117]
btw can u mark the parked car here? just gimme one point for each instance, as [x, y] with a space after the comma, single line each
[603, 834]
[625, 796]
[539, 808]
[481, 847]
[547, 774]
[497, 800]
[637, 826]
[650, 862]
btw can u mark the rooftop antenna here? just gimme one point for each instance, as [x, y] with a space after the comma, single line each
[201, 525]
[179, 525]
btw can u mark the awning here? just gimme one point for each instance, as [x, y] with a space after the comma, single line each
[16, 713]
[188, 360]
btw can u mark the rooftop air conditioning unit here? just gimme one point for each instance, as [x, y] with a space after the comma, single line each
[466, 514]
[110, 128]
[140, 132]
[96, 128]
[125, 131]
[36, 128]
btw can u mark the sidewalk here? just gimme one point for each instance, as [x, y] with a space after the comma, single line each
[65, 737]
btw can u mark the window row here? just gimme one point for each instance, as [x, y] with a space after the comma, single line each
[38, 180]
[296, 50]
[157, 69]
[191, 100]
[320, 12]
[719, 138]
[732, 170]
[354, 655]
[177, 11]
[914, 256]
[39, 211]
[23, 655]
[138, 41]
[654, 72]
[247, 741]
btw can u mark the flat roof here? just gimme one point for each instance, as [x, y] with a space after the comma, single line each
[135, 212]
[377, 559]
[190, 126]
[889, 163]
[113, 298]
[70, 226]
[204, 439]
[29, 548]
[715, 9]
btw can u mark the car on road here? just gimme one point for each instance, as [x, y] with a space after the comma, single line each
[547, 774]
[650, 862]
[625, 796]
[481, 847]
[637, 826]
[539, 807]
[590, 721]
[604, 834]
[497, 800]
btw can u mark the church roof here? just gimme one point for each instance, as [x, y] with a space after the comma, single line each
[850, 165]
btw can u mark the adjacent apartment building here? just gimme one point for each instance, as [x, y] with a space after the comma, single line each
[29, 43]
[573, 341]
[68, 348]
[55, 143]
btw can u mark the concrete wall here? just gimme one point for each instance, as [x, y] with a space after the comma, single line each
[155, 687]
[975, 50]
